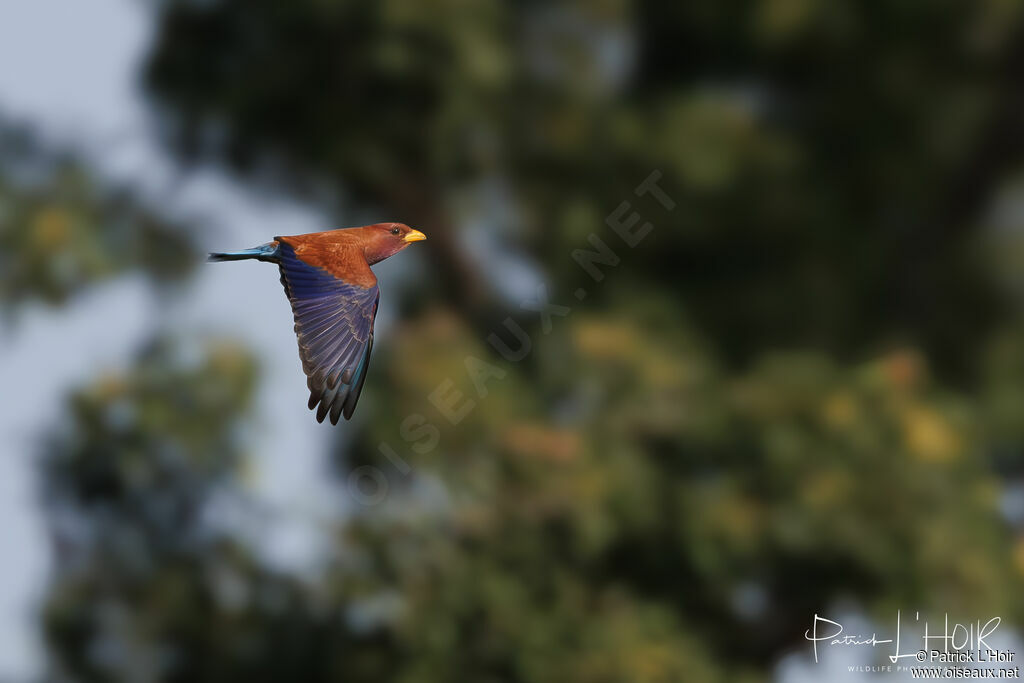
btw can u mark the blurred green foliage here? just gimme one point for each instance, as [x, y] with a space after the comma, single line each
[673, 495]
[830, 159]
[802, 388]
[129, 481]
[61, 230]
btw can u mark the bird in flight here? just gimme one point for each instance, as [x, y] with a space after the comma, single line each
[334, 295]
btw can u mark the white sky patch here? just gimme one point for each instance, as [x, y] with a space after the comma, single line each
[69, 66]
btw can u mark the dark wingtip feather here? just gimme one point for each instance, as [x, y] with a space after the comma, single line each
[339, 403]
[357, 388]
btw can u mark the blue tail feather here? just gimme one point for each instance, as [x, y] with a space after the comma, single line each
[265, 252]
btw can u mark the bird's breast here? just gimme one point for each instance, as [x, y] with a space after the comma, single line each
[343, 261]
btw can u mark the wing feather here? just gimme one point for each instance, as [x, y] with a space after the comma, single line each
[334, 326]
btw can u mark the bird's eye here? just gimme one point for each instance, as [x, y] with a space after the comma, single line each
[395, 231]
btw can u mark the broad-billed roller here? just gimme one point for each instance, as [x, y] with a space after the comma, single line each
[334, 295]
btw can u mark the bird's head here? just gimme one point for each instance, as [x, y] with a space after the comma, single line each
[382, 240]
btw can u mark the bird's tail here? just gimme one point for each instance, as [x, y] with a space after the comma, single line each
[265, 252]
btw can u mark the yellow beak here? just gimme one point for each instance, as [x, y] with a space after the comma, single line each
[414, 236]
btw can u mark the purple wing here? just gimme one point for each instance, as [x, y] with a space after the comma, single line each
[334, 324]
